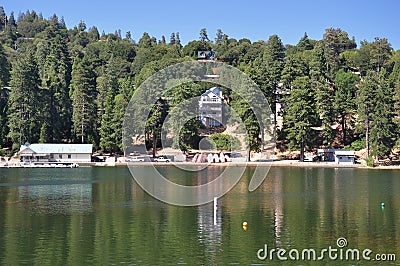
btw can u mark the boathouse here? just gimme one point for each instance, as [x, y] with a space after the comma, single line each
[49, 152]
[337, 156]
[344, 157]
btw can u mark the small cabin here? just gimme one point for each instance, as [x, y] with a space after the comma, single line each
[344, 157]
[52, 152]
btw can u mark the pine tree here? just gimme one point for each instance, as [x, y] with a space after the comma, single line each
[4, 79]
[56, 80]
[323, 91]
[300, 114]
[344, 100]
[376, 114]
[383, 127]
[84, 116]
[4, 68]
[203, 35]
[274, 61]
[3, 115]
[304, 43]
[172, 39]
[178, 40]
[107, 133]
[295, 66]
[24, 120]
[145, 41]
[219, 35]
[11, 30]
[3, 18]
[367, 97]
[335, 41]
[121, 100]
[380, 53]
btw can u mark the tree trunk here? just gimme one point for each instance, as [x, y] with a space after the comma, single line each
[302, 149]
[344, 130]
[154, 144]
[367, 134]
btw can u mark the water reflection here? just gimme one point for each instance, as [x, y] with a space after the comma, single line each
[100, 216]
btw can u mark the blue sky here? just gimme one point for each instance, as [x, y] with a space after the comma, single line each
[252, 19]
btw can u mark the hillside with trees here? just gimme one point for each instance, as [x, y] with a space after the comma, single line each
[73, 85]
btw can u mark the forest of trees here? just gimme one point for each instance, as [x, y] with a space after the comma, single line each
[73, 85]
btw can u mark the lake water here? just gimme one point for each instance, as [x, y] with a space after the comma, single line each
[100, 216]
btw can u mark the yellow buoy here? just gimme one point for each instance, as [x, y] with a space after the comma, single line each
[245, 225]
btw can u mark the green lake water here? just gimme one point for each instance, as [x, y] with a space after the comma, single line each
[101, 216]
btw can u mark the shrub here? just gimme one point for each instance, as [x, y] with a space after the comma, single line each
[225, 142]
[370, 161]
[357, 145]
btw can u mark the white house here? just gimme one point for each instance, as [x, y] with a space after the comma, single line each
[63, 153]
[344, 157]
[210, 107]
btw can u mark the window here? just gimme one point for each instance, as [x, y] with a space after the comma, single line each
[60, 156]
[69, 156]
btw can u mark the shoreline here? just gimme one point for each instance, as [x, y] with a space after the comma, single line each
[282, 163]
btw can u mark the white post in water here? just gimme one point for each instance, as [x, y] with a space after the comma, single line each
[215, 210]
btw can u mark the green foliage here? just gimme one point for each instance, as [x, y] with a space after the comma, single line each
[4, 68]
[24, 120]
[300, 114]
[370, 161]
[344, 100]
[376, 114]
[357, 145]
[224, 142]
[84, 105]
[335, 41]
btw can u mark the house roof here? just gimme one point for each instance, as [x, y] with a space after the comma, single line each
[46, 148]
[344, 153]
[213, 91]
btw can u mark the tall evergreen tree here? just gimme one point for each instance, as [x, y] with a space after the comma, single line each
[304, 43]
[219, 36]
[178, 40]
[203, 35]
[84, 117]
[3, 18]
[121, 101]
[335, 42]
[376, 113]
[107, 130]
[274, 62]
[24, 120]
[172, 39]
[383, 127]
[57, 80]
[4, 79]
[344, 100]
[381, 52]
[300, 114]
[4, 68]
[11, 30]
[367, 97]
[323, 91]
[145, 41]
